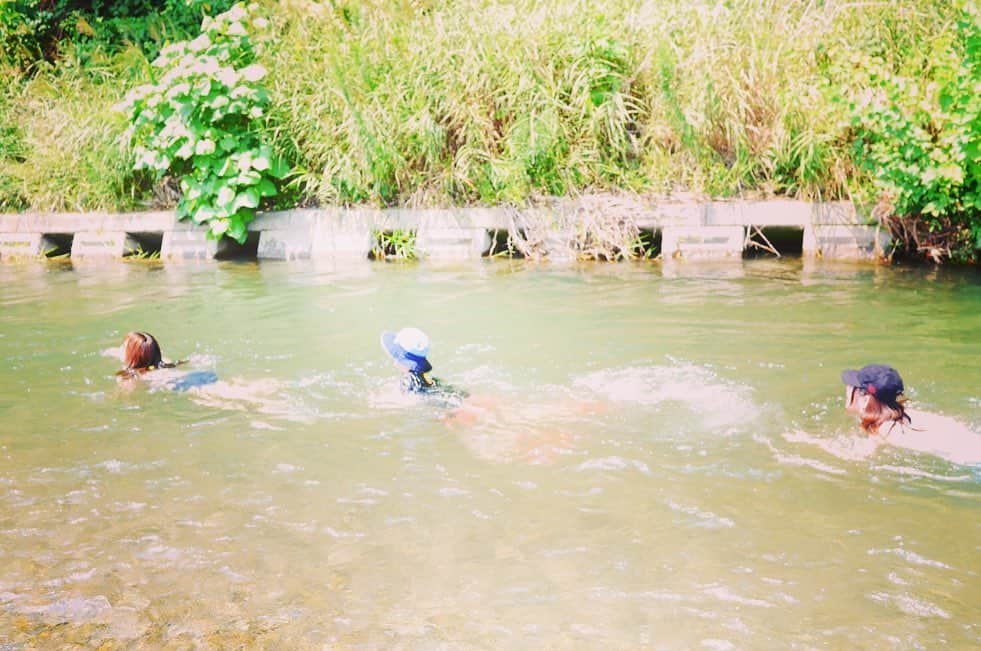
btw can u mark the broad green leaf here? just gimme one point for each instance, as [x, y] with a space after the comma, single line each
[248, 178]
[266, 188]
[261, 162]
[249, 198]
[225, 196]
[203, 214]
[237, 230]
[280, 168]
[218, 227]
[204, 147]
[245, 161]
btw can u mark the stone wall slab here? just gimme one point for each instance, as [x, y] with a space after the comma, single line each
[702, 242]
[19, 246]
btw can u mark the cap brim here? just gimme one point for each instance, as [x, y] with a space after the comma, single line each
[402, 357]
[850, 377]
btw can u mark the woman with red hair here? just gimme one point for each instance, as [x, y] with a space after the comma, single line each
[140, 354]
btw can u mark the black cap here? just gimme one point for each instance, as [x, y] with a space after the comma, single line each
[879, 380]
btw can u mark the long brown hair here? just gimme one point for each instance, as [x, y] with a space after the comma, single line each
[141, 353]
[876, 413]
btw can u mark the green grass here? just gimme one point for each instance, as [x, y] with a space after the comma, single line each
[63, 148]
[432, 103]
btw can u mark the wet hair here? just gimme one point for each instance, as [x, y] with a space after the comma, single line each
[141, 353]
[876, 413]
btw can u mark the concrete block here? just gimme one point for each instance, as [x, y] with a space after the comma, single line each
[280, 220]
[285, 245]
[100, 245]
[286, 235]
[702, 242]
[14, 246]
[450, 243]
[494, 219]
[843, 242]
[11, 223]
[775, 212]
[67, 222]
[342, 235]
[187, 244]
[140, 222]
[835, 212]
[672, 213]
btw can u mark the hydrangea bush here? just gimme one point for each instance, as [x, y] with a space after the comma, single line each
[920, 139]
[200, 122]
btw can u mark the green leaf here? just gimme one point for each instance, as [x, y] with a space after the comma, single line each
[248, 178]
[261, 162]
[280, 168]
[237, 230]
[266, 188]
[218, 227]
[249, 198]
[225, 196]
[244, 161]
[203, 214]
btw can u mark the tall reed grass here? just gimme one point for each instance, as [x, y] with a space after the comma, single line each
[479, 101]
[61, 147]
[436, 102]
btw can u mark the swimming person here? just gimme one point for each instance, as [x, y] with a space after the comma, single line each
[409, 349]
[875, 394]
[491, 428]
[140, 354]
[144, 363]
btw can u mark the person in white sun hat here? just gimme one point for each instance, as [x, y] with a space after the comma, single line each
[409, 349]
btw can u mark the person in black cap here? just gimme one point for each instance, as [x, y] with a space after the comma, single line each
[409, 349]
[875, 393]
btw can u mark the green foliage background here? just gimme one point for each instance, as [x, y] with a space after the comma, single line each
[433, 102]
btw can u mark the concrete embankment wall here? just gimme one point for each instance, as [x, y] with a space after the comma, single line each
[692, 230]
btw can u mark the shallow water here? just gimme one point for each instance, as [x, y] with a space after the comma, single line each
[660, 459]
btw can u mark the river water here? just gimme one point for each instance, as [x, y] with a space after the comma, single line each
[659, 458]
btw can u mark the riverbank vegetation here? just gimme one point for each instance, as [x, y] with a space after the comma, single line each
[434, 103]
